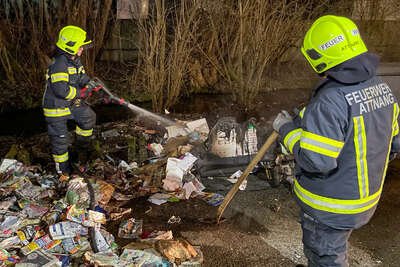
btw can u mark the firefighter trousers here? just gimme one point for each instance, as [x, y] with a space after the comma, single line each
[324, 245]
[57, 129]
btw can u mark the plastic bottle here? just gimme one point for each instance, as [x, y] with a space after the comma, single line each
[251, 140]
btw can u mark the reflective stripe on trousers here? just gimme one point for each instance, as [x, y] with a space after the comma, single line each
[56, 112]
[61, 158]
[80, 131]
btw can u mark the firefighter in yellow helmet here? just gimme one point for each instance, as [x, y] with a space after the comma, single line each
[66, 85]
[342, 141]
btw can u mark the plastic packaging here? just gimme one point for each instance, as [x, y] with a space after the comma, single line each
[64, 230]
[250, 138]
[213, 199]
[52, 216]
[142, 258]
[131, 228]
[77, 193]
[43, 242]
[106, 191]
[10, 165]
[100, 241]
[70, 245]
[156, 148]
[34, 211]
[27, 233]
[174, 175]
[102, 258]
[6, 204]
[9, 226]
[95, 218]
[10, 242]
[39, 258]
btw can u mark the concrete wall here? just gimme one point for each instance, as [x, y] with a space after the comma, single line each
[379, 22]
[122, 45]
[390, 73]
[382, 37]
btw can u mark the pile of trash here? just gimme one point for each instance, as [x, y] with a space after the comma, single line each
[44, 222]
[159, 164]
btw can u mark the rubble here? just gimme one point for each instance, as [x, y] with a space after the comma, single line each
[43, 223]
[38, 230]
[234, 178]
[39, 258]
[131, 228]
[143, 258]
[74, 223]
[176, 250]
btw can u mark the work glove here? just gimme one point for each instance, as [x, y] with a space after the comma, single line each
[90, 87]
[281, 119]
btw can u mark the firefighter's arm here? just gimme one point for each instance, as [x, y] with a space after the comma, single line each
[317, 144]
[59, 80]
[83, 77]
[84, 80]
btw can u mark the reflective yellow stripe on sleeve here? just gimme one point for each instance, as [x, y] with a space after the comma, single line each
[81, 69]
[72, 70]
[59, 77]
[56, 112]
[72, 93]
[60, 158]
[82, 132]
[360, 146]
[292, 138]
[321, 144]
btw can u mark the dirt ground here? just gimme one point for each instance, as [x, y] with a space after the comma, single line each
[261, 226]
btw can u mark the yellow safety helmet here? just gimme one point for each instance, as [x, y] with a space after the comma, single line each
[330, 41]
[71, 38]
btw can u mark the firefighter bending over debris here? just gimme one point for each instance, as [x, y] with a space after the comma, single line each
[66, 85]
[342, 141]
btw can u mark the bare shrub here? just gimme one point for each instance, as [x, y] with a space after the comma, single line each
[379, 21]
[166, 47]
[249, 37]
[153, 52]
[373, 10]
[28, 32]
